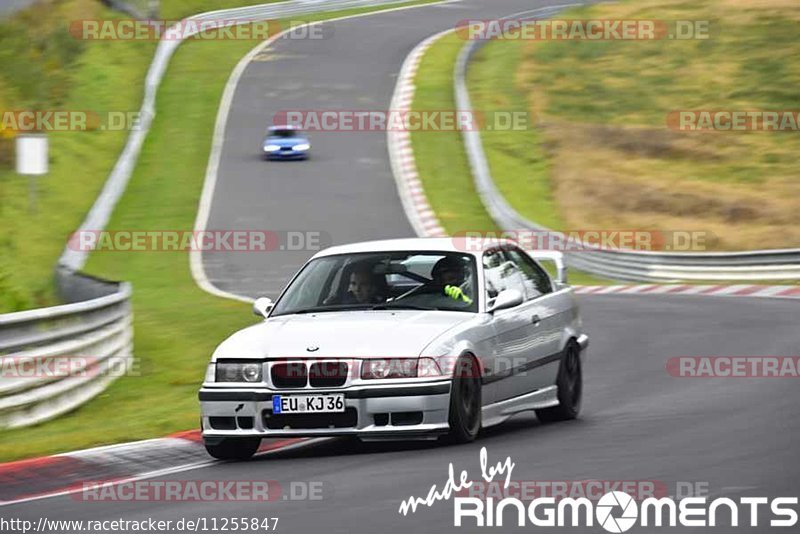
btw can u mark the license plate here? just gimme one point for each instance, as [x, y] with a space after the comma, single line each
[307, 403]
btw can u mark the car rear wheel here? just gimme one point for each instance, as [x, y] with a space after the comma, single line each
[465, 401]
[570, 388]
[233, 448]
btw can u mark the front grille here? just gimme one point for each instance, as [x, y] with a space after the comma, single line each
[346, 419]
[286, 148]
[245, 423]
[406, 418]
[222, 423]
[289, 375]
[381, 419]
[327, 374]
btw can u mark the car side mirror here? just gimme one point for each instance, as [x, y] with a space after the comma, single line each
[262, 306]
[507, 298]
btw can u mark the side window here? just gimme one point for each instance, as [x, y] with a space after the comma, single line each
[536, 281]
[500, 274]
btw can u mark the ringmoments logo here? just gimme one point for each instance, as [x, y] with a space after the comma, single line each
[605, 511]
[615, 511]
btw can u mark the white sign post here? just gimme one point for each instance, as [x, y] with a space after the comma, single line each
[32, 154]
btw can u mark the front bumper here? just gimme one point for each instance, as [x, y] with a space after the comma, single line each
[407, 411]
[286, 154]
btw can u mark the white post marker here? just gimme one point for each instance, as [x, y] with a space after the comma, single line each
[32, 154]
[32, 160]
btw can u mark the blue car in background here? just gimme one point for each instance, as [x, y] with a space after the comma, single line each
[285, 142]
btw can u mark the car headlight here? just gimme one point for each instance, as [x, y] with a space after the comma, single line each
[301, 147]
[398, 368]
[211, 372]
[271, 148]
[427, 367]
[238, 372]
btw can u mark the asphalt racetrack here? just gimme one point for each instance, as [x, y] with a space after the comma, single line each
[731, 437]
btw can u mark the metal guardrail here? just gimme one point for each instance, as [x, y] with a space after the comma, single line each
[617, 264]
[55, 359]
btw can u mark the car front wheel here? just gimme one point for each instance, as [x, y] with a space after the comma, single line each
[465, 401]
[232, 448]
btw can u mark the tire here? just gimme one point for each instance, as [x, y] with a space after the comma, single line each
[465, 402]
[570, 388]
[233, 448]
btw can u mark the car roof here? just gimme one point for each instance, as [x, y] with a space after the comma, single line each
[474, 246]
[283, 127]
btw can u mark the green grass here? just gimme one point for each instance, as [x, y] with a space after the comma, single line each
[440, 156]
[176, 324]
[36, 215]
[516, 156]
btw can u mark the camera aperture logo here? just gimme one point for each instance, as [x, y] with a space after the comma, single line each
[605, 511]
[615, 511]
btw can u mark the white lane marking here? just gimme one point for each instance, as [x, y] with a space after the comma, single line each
[543, 10]
[126, 447]
[158, 473]
[151, 474]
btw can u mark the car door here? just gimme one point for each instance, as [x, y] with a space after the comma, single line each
[546, 321]
[506, 372]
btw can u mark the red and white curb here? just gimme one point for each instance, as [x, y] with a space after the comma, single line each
[736, 290]
[67, 473]
[401, 154]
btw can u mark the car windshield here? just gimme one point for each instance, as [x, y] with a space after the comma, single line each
[414, 280]
[284, 133]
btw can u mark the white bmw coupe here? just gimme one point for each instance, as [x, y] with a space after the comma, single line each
[399, 339]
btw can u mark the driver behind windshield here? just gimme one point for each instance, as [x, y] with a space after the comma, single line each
[364, 287]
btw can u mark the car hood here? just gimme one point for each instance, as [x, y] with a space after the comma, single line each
[355, 334]
[285, 141]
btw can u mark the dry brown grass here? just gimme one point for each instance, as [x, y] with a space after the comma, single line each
[628, 170]
[611, 178]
